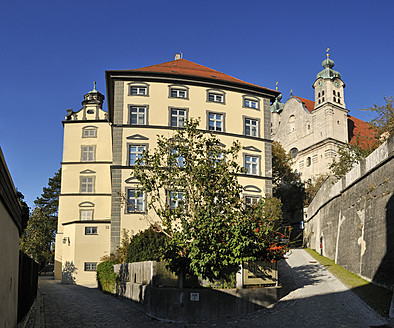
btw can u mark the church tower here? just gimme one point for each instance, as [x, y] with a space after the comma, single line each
[330, 113]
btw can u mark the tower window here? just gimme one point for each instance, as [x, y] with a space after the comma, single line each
[322, 93]
[323, 99]
[308, 161]
[338, 94]
[335, 99]
[318, 95]
[333, 91]
[339, 101]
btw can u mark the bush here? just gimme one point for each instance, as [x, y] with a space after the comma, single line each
[106, 277]
[146, 246]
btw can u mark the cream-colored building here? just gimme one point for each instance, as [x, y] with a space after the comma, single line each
[312, 131]
[100, 149]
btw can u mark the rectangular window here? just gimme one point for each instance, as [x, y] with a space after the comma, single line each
[251, 200]
[138, 115]
[252, 164]
[178, 93]
[178, 117]
[138, 91]
[176, 199]
[135, 152]
[89, 133]
[251, 103]
[87, 185]
[135, 201]
[88, 153]
[180, 160]
[214, 97]
[216, 122]
[251, 127]
[86, 215]
[91, 230]
[90, 266]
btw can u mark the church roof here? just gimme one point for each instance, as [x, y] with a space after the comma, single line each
[186, 67]
[309, 104]
[360, 130]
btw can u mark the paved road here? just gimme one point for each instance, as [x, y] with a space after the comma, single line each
[315, 298]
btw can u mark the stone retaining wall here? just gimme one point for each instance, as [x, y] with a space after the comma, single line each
[352, 221]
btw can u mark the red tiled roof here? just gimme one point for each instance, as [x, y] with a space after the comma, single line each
[360, 130]
[309, 104]
[186, 67]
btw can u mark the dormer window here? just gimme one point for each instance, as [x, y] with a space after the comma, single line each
[89, 132]
[179, 91]
[138, 89]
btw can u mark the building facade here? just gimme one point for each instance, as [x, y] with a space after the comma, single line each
[101, 147]
[312, 131]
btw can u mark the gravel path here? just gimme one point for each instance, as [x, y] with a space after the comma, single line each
[314, 298]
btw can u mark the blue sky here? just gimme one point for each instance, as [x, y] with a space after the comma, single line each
[52, 51]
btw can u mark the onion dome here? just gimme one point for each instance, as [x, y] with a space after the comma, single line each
[328, 72]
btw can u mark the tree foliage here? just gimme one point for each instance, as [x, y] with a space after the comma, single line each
[25, 209]
[37, 238]
[209, 233]
[147, 245]
[384, 121]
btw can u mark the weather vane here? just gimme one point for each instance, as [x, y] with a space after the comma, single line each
[291, 92]
[276, 88]
[94, 85]
[327, 50]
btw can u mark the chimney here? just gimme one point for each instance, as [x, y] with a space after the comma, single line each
[178, 56]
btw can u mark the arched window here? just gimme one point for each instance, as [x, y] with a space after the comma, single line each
[292, 123]
[322, 93]
[333, 92]
[308, 161]
[293, 152]
[318, 95]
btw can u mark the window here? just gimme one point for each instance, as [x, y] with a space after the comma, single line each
[308, 161]
[91, 230]
[180, 160]
[90, 266]
[138, 91]
[87, 185]
[86, 215]
[251, 127]
[293, 152]
[252, 165]
[178, 117]
[251, 102]
[291, 123]
[178, 93]
[215, 97]
[135, 152]
[135, 201]
[176, 199]
[251, 200]
[88, 153]
[138, 115]
[215, 122]
[89, 132]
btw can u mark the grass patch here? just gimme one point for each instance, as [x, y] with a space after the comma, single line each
[376, 297]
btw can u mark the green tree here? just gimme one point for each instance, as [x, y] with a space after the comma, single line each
[146, 245]
[37, 238]
[206, 232]
[25, 209]
[383, 123]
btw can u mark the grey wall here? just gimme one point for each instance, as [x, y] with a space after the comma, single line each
[352, 221]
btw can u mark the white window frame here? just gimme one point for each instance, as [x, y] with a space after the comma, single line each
[252, 164]
[216, 117]
[250, 103]
[90, 266]
[139, 90]
[178, 93]
[87, 184]
[176, 113]
[91, 230]
[215, 97]
[175, 202]
[88, 153]
[251, 200]
[89, 132]
[86, 215]
[140, 113]
[140, 148]
[253, 125]
[138, 205]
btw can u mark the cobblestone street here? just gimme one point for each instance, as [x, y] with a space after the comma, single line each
[315, 298]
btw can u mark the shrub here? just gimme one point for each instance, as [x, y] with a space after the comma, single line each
[146, 246]
[106, 277]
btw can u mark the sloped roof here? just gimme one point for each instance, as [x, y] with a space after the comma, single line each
[360, 130]
[309, 104]
[186, 67]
